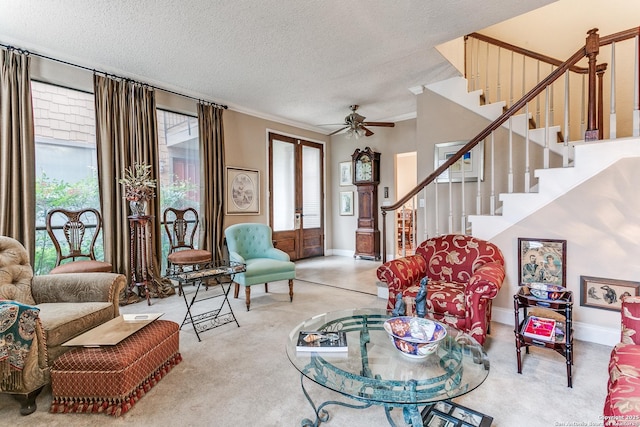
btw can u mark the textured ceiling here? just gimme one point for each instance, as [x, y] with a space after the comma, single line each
[296, 61]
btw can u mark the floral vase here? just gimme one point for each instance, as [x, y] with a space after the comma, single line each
[138, 207]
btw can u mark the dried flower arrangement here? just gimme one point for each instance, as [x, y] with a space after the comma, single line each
[138, 184]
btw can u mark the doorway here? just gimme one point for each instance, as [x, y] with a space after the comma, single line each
[406, 180]
[296, 187]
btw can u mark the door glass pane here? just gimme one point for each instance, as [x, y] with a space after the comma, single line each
[284, 180]
[311, 187]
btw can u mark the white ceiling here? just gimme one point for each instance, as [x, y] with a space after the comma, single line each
[296, 61]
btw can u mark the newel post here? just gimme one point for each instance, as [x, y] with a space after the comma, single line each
[592, 48]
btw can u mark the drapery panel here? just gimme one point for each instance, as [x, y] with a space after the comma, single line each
[126, 133]
[17, 151]
[212, 178]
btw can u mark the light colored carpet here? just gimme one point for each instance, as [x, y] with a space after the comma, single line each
[242, 377]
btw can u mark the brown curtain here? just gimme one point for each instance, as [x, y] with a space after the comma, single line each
[126, 134]
[17, 151]
[212, 179]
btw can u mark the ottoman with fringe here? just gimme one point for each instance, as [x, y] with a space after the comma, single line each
[111, 379]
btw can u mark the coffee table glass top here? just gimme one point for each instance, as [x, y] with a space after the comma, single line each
[374, 370]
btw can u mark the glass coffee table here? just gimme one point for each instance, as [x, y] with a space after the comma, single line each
[374, 372]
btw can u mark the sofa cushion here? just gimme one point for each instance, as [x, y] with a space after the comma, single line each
[15, 272]
[63, 321]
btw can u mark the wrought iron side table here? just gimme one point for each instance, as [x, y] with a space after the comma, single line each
[216, 278]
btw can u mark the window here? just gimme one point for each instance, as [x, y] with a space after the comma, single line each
[66, 160]
[179, 158]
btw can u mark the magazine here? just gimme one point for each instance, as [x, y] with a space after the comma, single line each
[331, 341]
[539, 328]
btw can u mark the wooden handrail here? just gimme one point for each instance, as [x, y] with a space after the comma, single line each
[592, 43]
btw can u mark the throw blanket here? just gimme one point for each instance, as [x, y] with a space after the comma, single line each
[17, 329]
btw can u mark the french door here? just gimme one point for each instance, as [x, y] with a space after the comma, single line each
[296, 205]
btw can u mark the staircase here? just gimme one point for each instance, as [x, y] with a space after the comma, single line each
[587, 160]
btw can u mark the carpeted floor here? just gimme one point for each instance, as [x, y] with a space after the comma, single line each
[240, 376]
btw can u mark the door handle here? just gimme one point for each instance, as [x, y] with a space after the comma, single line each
[298, 221]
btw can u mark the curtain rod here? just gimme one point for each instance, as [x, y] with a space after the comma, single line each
[26, 52]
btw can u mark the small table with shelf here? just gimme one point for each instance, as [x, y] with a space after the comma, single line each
[563, 306]
[217, 279]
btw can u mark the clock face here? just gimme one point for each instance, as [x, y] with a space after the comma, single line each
[363, 169]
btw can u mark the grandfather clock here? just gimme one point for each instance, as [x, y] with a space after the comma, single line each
[366, 176]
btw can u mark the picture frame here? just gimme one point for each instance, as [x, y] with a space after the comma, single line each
[243, 191]
[606, 294]
[346, 203]
[542, 261]
[450, 414]
[470, 166]
[345, 173]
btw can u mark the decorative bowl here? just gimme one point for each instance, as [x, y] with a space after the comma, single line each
[546, 290]
[415, 337]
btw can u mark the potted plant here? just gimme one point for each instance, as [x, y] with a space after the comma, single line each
[139, 187]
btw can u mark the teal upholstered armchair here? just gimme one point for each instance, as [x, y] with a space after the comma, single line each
[251, 244]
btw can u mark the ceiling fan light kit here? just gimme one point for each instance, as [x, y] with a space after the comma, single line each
[356, 127]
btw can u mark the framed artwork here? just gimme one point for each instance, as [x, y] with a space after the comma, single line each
[243, 191]
[346, 203]
[345, 173]
[470, 166]
[606, 294]
[542, 261]
[449, 414]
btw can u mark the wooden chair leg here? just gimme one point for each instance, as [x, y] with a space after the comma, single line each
[247, 295]
[236, 290]
[266, 288]
[290, 290]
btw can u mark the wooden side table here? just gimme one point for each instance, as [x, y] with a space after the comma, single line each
[140, 252]
[563, 306]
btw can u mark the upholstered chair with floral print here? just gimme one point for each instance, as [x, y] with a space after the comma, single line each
[464, 274]
[622, 405]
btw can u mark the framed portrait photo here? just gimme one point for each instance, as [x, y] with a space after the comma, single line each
[346, 203]
[542, 261]
[243, 191]
[607, 294]
[345, 173]
[470, 166]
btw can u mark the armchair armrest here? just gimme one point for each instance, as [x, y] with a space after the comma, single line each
[78, 287]
[487, 280]
[277, 254]
[401, 273]
[631, 320]
[236, 257]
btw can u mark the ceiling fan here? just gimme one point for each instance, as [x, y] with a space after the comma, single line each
[356, 126]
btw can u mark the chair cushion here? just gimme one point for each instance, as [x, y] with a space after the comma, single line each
[264, 270]
[83, 266]
[190, 256]
[444, 298]
[62, 321]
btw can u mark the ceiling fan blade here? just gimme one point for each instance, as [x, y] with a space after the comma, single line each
[367, 132]
[338, 131]
[383, 124]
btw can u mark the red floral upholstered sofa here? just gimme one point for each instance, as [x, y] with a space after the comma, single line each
[464, 275]
[622, 405]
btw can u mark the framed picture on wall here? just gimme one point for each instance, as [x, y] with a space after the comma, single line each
[607, 294]
[346, 203]
[243, 191]
[470, 166]
[345, 173]
[542, 261]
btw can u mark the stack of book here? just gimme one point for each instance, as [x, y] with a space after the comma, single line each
[540, 328]
[334, 341]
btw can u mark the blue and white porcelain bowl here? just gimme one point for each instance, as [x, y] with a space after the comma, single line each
[415, 337]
